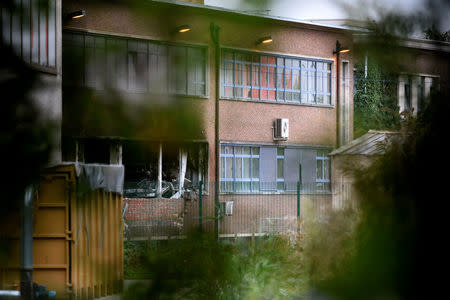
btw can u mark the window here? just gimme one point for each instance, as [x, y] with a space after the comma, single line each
[134, 65]
[322, 171]
[275, 78]
[426, 86]
[280, 169]
[408, 94]
[239, 168]
[30, 29]
[414, 91]
[272, 169]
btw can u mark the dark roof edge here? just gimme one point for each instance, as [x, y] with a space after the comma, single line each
[273, 18]
[361, 140]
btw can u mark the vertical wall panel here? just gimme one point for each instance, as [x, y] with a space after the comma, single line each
[43, 36]
[308, 159]
[268, 168]
[291, 167]
[35, 31]
[26, 30]
[16, 30]
[51, 34]
[6, 26]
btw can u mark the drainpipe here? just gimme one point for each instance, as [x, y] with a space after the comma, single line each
[338, 104]
[215, 37]
[26, 245]
[339, 49]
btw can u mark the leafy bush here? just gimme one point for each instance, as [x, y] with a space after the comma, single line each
[375, 100]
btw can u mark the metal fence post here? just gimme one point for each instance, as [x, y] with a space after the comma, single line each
[299, 186]
[298, 199]
[200, 206]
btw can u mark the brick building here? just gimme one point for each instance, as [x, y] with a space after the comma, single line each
[293, 77]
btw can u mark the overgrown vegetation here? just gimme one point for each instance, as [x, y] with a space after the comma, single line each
[433, 33]
[270, 267]
[375, 99]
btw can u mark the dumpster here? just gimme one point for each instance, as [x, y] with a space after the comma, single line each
[77, 232]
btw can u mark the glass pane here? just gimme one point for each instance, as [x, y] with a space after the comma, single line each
[280, 151]
[304, 86]
[320, 99]
[237, 150]
[327, 169]
[255, 186]
[319, 169]
[229, 167]
[296, 80]
[280, 83]
[255, 77]
[264, 82]
[255, 150]
[246, 150]
[280, 186]
[238, 163]
[227, 149]
[255, 168]
[327, 83]
[280, 168]
[311, 86]
[247, 73]
[222, 167]
[246, 186]
[238, 186]
[178, 69]
[51, 31]
[246, 167]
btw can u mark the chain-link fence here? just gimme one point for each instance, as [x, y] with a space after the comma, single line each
[268, 208]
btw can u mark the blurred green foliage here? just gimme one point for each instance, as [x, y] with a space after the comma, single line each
[201, 267]
[375, 99]
[398, 253]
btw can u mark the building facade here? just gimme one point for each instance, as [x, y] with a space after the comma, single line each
[293, 78]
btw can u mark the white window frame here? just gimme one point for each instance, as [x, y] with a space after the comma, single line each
[278, 67]
[239, 180]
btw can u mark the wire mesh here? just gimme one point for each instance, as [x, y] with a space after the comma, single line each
[274, 208]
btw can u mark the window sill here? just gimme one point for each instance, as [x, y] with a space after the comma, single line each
[274, 193]
[127, 92]
[278, 102]
[46, 70]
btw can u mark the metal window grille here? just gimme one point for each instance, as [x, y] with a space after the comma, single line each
[275, 78]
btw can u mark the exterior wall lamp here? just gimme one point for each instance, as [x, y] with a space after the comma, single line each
[265, 40]
[183, 28]
[340, 49]
[77, 14]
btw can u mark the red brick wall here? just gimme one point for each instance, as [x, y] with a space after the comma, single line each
[240, 121]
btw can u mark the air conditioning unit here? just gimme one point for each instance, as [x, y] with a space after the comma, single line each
[227, 208]
[281, 130]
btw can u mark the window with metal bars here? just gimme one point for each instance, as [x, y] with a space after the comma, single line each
[323, 171]
[239, 170]
[280, 169]
[29, 28]
[134, 65]
[263, 77]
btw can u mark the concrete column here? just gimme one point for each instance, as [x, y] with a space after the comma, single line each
[159, 185]
[115, 154]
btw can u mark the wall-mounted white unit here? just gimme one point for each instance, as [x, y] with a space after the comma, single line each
[227, 208]
[281, 130]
